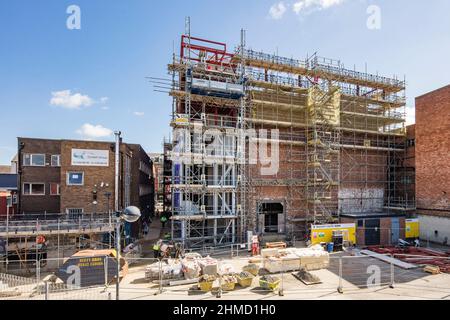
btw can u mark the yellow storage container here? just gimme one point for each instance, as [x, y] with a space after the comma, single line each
[230, 286]
[244, 282]
[269, 285]
[252, 268]
[205, 286]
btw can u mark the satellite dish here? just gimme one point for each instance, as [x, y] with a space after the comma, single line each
[131, 214]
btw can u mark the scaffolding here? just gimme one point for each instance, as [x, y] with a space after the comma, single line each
[62, 235]
[341, 135]
[209, 97]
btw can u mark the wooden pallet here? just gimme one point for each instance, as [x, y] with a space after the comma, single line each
[276, 245]
[432, 269]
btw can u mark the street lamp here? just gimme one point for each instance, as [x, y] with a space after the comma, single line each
[108, 196]
[130, 215]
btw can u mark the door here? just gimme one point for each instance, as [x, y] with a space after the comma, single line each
[372, 232]
[395, 231]
[269, 217]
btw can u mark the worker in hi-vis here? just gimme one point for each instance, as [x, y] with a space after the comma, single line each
[255, 245]
[157, 248]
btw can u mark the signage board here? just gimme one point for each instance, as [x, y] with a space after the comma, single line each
[88, 271]
[90, 158]
[324, 233]
[412, 228]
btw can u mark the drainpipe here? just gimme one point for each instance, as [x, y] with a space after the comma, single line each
[117, 164]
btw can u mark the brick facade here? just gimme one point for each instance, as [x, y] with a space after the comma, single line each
[82, 196]
[47, 174]
[100, 179]
[433, 153]
[385, 228]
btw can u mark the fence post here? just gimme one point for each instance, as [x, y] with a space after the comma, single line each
[106, 271]
[59, 231]
[281, 290]
[219, 292]
[340, 288]
[160, 277]
[392, 273]
[38, 271]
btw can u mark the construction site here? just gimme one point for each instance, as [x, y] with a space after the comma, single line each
[337, 136]
[248, 175]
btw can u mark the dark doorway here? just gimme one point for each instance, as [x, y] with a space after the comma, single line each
[271, 212]
[372, 232]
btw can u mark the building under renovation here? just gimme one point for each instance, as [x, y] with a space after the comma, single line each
[270, 144]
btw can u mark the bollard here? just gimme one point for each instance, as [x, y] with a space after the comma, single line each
[340, 288]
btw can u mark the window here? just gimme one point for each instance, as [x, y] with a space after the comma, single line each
[12, 198]
[74, 213]
[34, 189]
[55, 189]
[75, 178]
[56, 160]
[34, 160]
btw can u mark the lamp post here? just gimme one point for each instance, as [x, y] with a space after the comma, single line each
[131, 215]
[108, 196]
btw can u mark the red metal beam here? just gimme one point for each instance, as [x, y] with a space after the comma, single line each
[214, 56]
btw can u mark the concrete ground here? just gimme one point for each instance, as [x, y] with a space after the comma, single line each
[409, 284]
[356, 283]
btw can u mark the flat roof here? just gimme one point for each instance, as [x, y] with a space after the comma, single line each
[83, 141]
[374, 215]
[8, 181]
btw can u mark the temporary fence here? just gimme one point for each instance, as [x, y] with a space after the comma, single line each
[95, 278]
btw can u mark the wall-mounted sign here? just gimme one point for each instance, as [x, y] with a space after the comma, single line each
[90, 158]
[324, 233]
[412, 228]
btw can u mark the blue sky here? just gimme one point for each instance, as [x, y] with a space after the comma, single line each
[96, 75]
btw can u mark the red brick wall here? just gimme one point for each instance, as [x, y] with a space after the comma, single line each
[410, 160]
[81, 196]
[433, 152]
[47, 174]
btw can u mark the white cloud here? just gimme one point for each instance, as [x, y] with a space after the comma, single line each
[65, 99]
[138, 114]
[104, 99]
[277, 11]
[308, 6]
[105, 108]
[89, 131]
